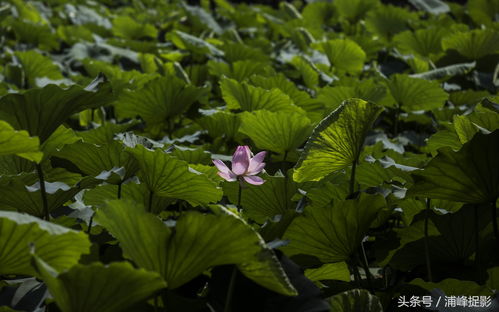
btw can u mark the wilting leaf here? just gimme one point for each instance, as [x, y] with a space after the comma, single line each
[470, 175]
[337, 141]
[98, 287]
[42, 111]
[279, 132]
[195, 243]
[18, 143]
[61, 247]
[167, 176]
[333, 233]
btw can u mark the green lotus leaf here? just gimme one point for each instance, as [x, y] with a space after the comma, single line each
[387, 20]
[94, 159]
[39, 35]
[333, 233]
[193, 244]
[22, 193]
[337, 141]
[446, 72]
[61, 247]
[126, 27]
[467, 125]
[192, 43]
[202, 19]
[483, 11]
[240, 52]
[58, 139]
[100, 195]
[158, 100]
[168, 176]
[249, 98]
[221, 124]
[367, 90]
[426, 43]
[344, 55]
[18, 143]
[98, 287]
[308, 72]
[412, 94]
[454, 287]
[280, 132]
[473, 44]
[266, 201]
[330, 271]
[42, 111]
[35, 65]
[355, 300]
[434, 7]
[239, 70]
[353, 10]
[470, 175]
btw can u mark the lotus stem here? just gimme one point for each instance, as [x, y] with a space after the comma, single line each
[90, 224]
[352, 178]
[43, 192]
[356, 273]
[426, 240]
[230, 291]
[365, 264]
[149, 203]
[239, 195]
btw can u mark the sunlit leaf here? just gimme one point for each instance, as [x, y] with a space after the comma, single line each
[473, 44]
[337, 141]
[344, 55]
[412, 94]
[18, 143]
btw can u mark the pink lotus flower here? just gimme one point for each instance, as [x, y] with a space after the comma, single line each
[244, 166]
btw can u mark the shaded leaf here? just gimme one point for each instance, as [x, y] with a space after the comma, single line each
[413, 94]
[355, 300]
[18, 143]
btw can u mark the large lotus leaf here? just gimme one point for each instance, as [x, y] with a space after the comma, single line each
[194, 44]
[61, 247]
[266, 201]
[100, 195]
[355, 300]
[337, 141]
[98, 287]
[280, 132]
[221, 124]
[354, 10]
[308, 71]
[202, 19]
[414, 94]
[57, 140]
[467, 125]
[36, 34]
[18, 143]
[42, 111]
[126, 27]
[239, 70]
[333, 233]
[473, 44]
[367, 90]
[239, 52]
[22, 193]
[470, 175]
[168, 176]
[158, 100]
[249, 98]
[94, 159]
[454, 287]
[195, 243]
[105, 133]
[301, 98]
[423, 42]
[483, 11]
[35, 65]
[344, 55]
[330, 271]
[387, 21]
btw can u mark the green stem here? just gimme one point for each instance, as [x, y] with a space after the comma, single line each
[365, 265]
[494, 219]
[352, 178]
[477, 239]
[426, 240]
[119, 190]
[239, 195]
[43, 192]
[149, 208]
[230, 291]
[396, 122]
[90, 224]
[356, 274]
